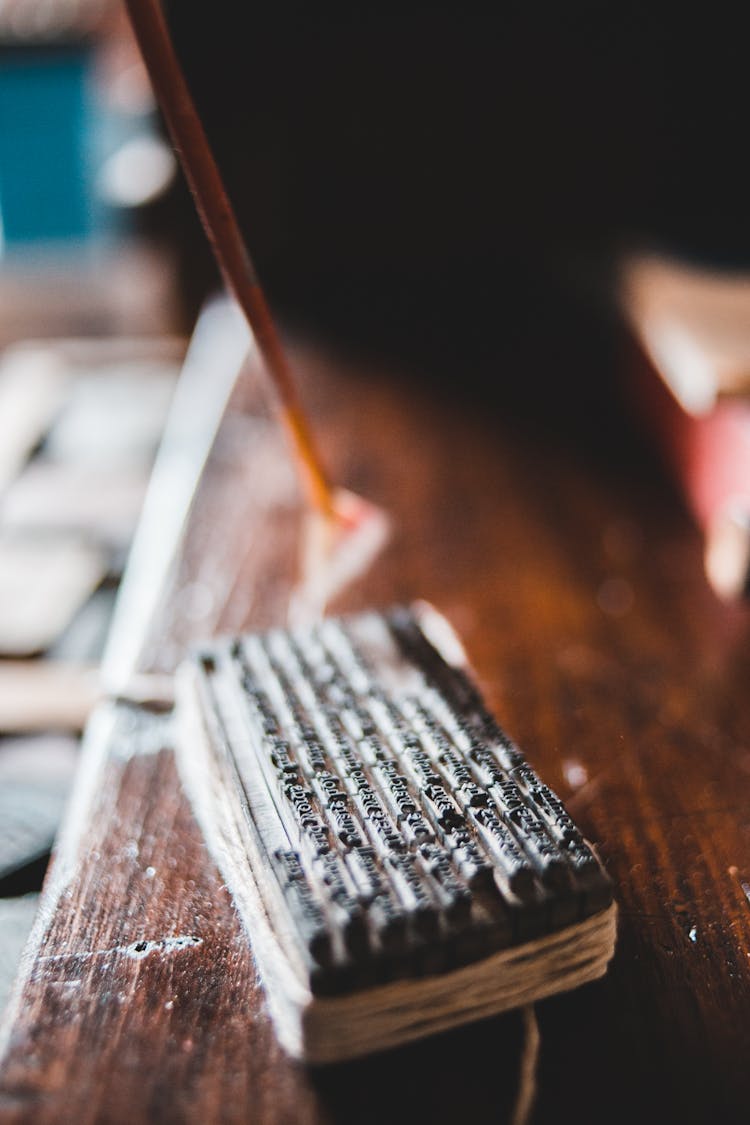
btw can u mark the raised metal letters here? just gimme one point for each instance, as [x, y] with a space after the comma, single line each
[415, 833]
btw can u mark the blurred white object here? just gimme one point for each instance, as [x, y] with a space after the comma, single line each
[101, 504]
[44, 581]
[220, 346]
[138, 173]
[113, 416]
[693, 323]
[32, 390]
[39, 20]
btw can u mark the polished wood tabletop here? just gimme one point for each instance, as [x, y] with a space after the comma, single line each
[566, 563]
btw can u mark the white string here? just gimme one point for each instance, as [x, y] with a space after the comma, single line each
[526, 1095]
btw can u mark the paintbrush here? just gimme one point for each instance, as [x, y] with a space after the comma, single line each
[342, 513]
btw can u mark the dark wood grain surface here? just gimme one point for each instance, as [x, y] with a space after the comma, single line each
[575, 580]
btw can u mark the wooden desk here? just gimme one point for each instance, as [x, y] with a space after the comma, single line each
[576, 583]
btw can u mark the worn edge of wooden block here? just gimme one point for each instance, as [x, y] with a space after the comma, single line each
[331, 1029]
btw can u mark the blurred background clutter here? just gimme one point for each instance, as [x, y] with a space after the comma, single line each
[91, 348]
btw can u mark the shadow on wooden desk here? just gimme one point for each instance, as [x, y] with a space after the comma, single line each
[575, 581]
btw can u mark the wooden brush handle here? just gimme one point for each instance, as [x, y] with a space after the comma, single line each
[220, 223]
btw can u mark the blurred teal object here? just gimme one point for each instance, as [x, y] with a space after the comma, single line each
[47, 119]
